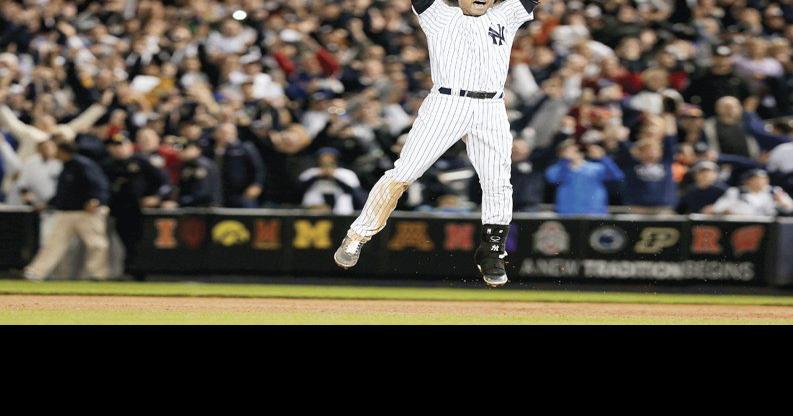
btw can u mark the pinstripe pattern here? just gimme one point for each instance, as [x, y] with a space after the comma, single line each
[464, 54]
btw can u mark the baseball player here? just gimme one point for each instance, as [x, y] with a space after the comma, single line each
[469, 49]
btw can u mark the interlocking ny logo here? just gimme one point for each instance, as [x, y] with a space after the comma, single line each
[497, 35]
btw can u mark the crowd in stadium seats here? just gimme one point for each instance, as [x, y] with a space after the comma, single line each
[654, 105]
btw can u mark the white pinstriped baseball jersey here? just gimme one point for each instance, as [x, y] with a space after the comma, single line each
[471, 52]
[466, 53]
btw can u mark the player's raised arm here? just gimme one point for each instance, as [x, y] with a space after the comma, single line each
[420, 6]
[433, 14]
[518, 12]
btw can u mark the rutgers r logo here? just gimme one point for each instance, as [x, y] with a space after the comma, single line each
[497, 35]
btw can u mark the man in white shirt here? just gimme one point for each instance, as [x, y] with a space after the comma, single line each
[328, 186]
[755, 198]
[38, 177]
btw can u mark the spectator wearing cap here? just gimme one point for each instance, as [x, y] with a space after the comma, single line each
[755, 198]
[581, 183]
[80, 205]
[241, 167]
[134, 184]
[330, 187]
[734, 131]
[199, 178]
[716, 81]
[704, 192]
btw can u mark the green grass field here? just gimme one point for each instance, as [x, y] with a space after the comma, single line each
[24, 302]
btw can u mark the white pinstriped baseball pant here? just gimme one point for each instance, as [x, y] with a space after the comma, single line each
[442, 121]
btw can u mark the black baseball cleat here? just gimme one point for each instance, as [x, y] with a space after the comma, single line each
[491, 253]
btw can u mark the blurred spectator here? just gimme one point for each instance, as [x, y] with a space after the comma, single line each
[780, 165]
[241, 167]
[80, 205]
[199, 180]
[44, 125]
[134, 184]
[329, 187]
[649, 180]
[580, 183]
[704, 192]
[160, 155]
[737, 132]
[38, 177]
[715, 81]
[755, 198]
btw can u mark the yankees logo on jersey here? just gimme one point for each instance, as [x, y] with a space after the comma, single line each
[461, 47]
[497, 35]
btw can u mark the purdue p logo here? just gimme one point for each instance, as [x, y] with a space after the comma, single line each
[655, 240]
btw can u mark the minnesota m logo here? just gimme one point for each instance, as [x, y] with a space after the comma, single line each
[308, 235]
[497, 35]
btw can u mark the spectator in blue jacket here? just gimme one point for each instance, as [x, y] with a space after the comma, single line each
[580, 182]
[649, 182]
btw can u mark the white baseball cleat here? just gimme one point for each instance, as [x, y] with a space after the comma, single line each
[348, 253]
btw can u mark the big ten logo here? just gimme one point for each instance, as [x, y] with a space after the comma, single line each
[308, 235]
[267, 234]
[459, 237]
[747, 239]
[230, 233]
[706, 239]
[551, 239]
[411, 234]
[654, 240]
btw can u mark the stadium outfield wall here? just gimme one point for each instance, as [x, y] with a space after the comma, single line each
[750, 251]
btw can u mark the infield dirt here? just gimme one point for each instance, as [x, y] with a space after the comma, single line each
[36, 309]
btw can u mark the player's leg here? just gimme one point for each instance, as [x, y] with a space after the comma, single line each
[441, 122]
[54, 245]
[92, 230]
[489, 147]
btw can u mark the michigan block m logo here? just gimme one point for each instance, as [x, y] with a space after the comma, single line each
[497, 35]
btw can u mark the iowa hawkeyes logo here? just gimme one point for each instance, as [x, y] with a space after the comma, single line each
[230, 233]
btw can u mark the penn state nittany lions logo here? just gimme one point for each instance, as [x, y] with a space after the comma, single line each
[497, 35]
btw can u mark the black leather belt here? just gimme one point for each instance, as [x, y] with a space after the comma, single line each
[471, 94]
